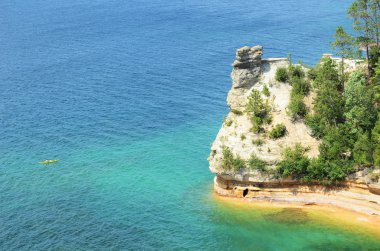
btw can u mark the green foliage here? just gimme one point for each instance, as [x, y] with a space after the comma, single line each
[363, 150]
[258, 142]
[376, 144]
[237, 112]
[243, 137]
[328, 172]
[230, 162]
[266, 91]
[329, 103]
[344, 44]
[337, 143]
[326, 71]
[359, 104]
[376, 85]
[278, 131]
[282, 74]
[228, 122]
[346, 115]
[365, 15]
[256, 124]
[256, 163]
[259, 109]
[297, 165]
[374, 57]
[300, 86]
[312, 74]
[257, 105]
[358, 11]
[294, 162]
[297, 107]
[296, 71]
[316, 124]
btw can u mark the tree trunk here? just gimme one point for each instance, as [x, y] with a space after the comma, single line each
[342, 80]
[367, 57]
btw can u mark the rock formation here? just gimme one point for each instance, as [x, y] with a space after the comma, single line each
[245, 74]
[251, 72]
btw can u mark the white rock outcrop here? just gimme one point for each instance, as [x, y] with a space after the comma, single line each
[251, 72]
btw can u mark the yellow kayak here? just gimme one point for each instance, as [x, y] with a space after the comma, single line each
[48, 161]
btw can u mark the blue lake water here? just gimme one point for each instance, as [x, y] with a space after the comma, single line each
[129, 95]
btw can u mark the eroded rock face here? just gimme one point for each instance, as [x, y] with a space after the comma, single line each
[246, 72]
[251, 72]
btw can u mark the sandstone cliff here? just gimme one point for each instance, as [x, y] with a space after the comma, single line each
[251, 73]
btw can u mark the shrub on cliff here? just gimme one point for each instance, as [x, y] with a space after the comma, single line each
[259, 110]
[363, 150]
[360, 112]
[295, 163]
[337, 143]
[317, 125]
[258, 142]
[282, 74]
[326, 71]
[297, 108]
[278, 131]
[300, 86]
[296, 71]
[266, 91]
[376, 144]
[230, 162]
[312, 74]
[256, 163]
[328, 172]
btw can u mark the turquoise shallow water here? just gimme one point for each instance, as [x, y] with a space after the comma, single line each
[129, 96]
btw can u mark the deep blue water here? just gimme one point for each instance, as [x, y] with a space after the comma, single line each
[129, 95]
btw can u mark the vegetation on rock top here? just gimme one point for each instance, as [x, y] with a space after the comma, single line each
[345, 112]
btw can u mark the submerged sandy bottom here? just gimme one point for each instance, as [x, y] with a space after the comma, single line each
[296, 213]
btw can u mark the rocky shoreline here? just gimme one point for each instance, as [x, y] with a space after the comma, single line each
[349, 195]
[250, 72]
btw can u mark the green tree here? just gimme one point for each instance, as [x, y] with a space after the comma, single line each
[376, 144]
[297, 107]
[294, 162]
[329, 103]
[363, 150]
[359, 104]
[317, 125]
[259, 109]
[366, 16]
[328, 171]
[376, 85]
[359, 11]
[300, 86]
[326, 71]
[337, 143]
[344, 44]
